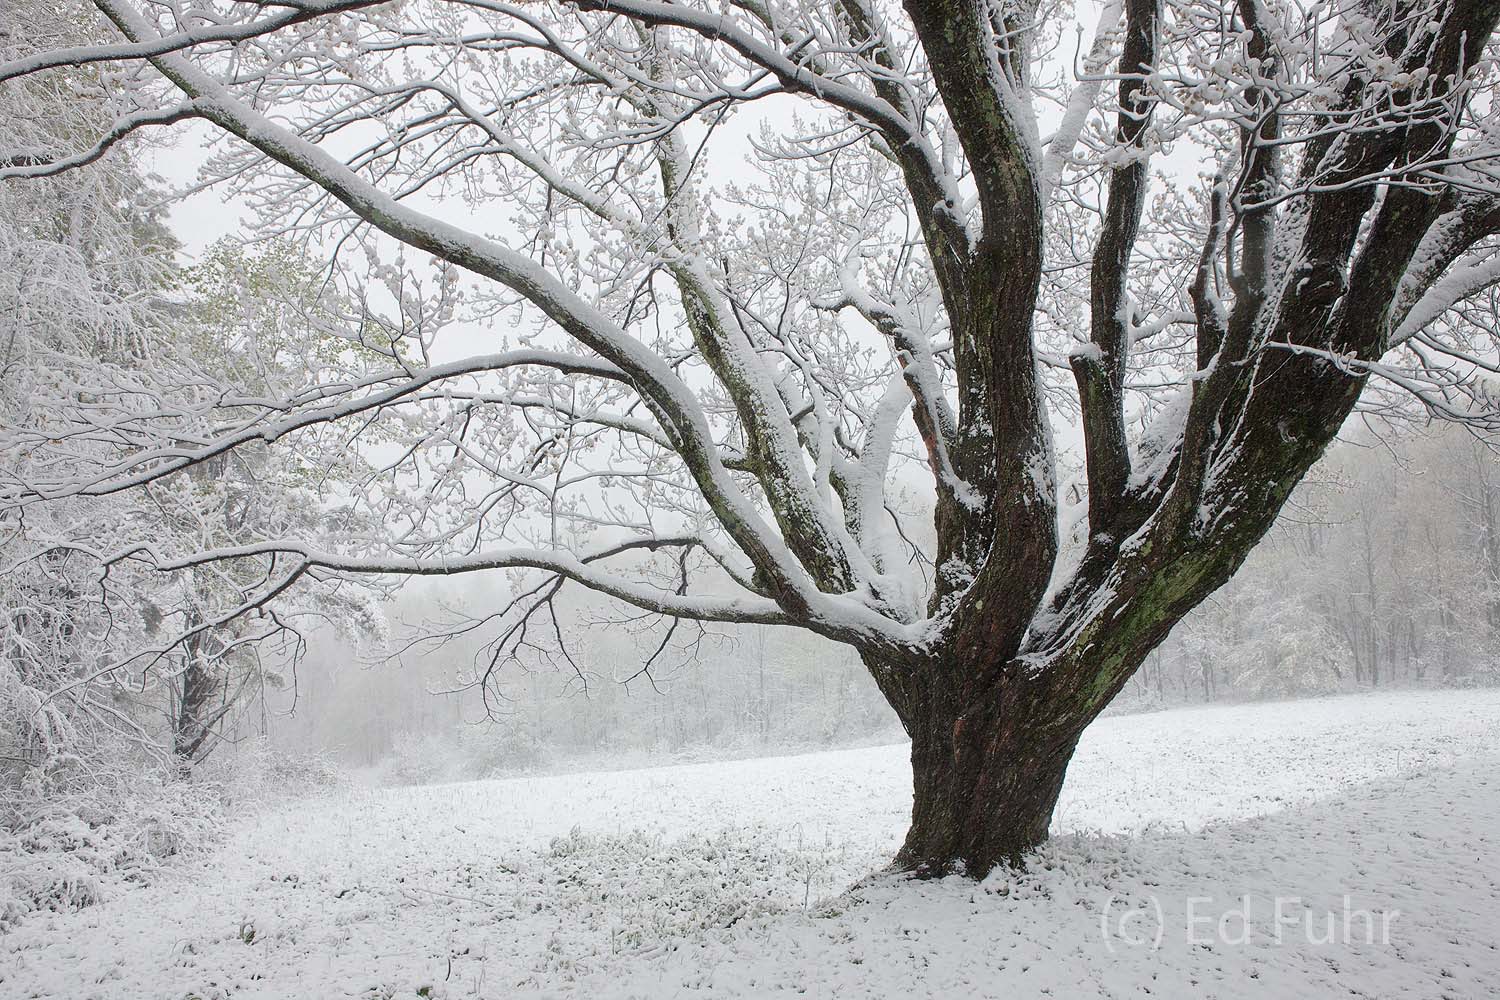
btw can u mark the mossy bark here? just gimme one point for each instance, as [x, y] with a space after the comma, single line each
[991, 741]
[983, 790]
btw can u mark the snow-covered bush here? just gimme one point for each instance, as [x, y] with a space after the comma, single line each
[78, 828]
[82, 825]
[649, 889]
[499, 748]
[492, 749]
[420, 759]
[255, 772]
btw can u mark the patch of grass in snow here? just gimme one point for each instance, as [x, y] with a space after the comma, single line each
[649, 890]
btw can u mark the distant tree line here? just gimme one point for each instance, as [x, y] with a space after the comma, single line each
[1384, 571]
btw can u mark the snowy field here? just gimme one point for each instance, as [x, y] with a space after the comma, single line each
[1372, 820]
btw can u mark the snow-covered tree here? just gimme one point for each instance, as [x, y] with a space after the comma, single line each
[765, 263]
[94, 304]
[85, 268]
[258, 320]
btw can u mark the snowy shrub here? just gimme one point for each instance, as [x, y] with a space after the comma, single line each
[483, 751]
[257, 772]
[1286, 662]
[420, 759]
[1484, 674]
[649, 890]
[73, 830]
[498, 748]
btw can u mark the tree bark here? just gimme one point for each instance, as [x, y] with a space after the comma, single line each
[195, 717]
[988, 764]
[978, 804]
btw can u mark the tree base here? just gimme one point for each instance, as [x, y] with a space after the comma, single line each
[980, 802]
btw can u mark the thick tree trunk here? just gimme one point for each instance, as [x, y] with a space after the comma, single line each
[980, 806]
[987, 766]
[195, 716]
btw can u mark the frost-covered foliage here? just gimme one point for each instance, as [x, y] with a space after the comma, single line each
[97, 311]
[84, 803]
[83, 826]
[74, 830]
[114, 677]
[85, 268]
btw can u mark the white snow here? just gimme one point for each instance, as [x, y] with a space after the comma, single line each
[732, 879]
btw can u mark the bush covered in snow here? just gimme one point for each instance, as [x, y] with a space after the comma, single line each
[74, 828]
[492, 749]
[489, 750]
[420, 759]
[254, 772]
[81, 825]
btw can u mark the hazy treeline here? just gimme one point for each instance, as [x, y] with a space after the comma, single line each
[1384, 571]
[724, 691]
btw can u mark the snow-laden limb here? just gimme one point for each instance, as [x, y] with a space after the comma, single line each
[20, 164]
[247, 419]
[826, 618]
[209, 32]
[803, 512]
[1461, 282]
[912, 346]
[1082, 99]
[581, 320]
[1451, 263]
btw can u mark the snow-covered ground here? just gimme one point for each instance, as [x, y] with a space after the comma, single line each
[1374, 820]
